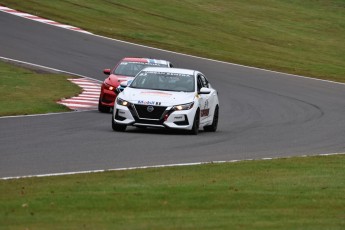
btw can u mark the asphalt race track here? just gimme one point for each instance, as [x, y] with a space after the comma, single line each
[262, 113]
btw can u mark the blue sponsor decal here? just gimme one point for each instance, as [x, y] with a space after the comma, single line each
[146, 102]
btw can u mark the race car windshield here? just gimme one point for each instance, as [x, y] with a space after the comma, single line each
[164, 81]
[133, 68]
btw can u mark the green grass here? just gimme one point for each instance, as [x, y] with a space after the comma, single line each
[294, 193]
[23, 91]
[300, 37]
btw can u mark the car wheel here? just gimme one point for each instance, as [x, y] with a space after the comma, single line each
[102, 108]
[214, 125]
[195, 128]
[117, 127]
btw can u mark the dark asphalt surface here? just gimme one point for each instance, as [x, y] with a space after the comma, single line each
[263, 114]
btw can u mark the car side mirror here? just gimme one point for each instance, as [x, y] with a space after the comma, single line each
[124, 84]
[205, 90]
[106, 71]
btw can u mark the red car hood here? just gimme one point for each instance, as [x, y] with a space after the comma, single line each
[115, 80]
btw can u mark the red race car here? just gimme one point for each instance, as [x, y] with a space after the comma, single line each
[125, 70]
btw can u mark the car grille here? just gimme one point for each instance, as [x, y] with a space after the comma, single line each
[143, 112]
[149, 122]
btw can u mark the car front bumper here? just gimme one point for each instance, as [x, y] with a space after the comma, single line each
[107, 98]
[166, 118]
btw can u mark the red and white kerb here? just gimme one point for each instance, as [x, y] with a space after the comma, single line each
[39, 19]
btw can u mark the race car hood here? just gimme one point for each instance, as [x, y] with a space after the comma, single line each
[115, 80]
[156, 97]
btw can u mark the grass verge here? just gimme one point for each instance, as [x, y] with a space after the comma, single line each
[24, 91]
[293, 193]
[300, 37]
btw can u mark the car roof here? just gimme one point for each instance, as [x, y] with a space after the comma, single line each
[144, 60]
[170, 70]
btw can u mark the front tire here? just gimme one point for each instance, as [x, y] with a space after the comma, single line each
[102, 108]
[117, 127]
[196, 123]
[213, 127]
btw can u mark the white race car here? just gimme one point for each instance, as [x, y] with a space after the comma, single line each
[167, 98]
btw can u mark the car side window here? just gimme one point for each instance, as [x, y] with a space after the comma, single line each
[204, 81]
[199, 83]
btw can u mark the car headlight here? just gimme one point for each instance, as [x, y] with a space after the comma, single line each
[109, 87]
[184, 106]
[122, 102]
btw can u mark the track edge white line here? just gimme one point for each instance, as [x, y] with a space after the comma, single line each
[160, 166]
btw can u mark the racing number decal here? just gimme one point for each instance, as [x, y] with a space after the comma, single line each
[204, 112]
